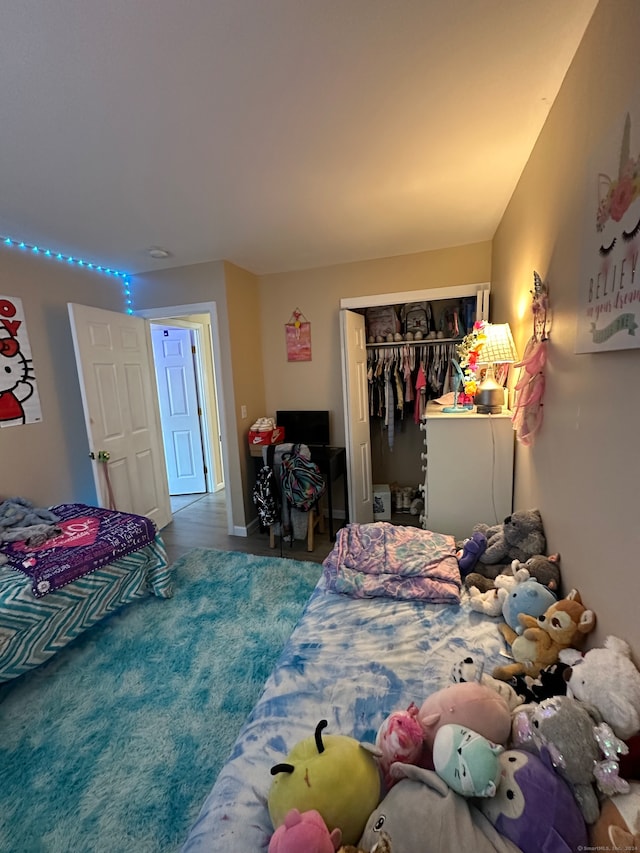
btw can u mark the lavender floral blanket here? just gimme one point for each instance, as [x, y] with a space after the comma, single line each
[91, 537]
[382, 559]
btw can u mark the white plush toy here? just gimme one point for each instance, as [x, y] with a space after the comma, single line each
[609, 680]
[492, 601]
[489, 602]
[517, 576]
[469, 670]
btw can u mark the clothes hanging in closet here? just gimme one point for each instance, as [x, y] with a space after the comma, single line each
[403, 378]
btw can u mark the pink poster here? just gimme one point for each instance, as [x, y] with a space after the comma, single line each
[298, 335]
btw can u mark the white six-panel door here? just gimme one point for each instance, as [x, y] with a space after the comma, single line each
[179, 409]
[117, 383]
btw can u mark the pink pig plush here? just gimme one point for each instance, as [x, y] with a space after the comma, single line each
[304, 832]
[400, 738]
[468, 704]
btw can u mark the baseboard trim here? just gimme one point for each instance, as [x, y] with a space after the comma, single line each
[252, 527]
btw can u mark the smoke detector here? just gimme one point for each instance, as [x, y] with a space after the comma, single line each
[158, 253]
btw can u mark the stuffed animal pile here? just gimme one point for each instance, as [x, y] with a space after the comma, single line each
[527, 761]
[519, 537]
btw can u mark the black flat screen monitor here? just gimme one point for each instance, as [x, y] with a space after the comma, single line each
[305, 427]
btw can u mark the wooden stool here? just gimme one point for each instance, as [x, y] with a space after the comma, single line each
[315, 518]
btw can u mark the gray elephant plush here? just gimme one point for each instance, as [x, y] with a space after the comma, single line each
[583, 752]
[519, 537]
[422, 813]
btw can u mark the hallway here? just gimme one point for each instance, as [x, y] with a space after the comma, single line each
[203, 524]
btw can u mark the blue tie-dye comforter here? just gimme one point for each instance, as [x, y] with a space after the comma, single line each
[350, 661]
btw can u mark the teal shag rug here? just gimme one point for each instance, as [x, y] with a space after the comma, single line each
[114, 744]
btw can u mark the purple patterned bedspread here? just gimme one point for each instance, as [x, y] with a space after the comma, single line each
[91, 537]
[382, 559]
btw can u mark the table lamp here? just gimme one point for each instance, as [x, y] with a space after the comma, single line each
[498, 349]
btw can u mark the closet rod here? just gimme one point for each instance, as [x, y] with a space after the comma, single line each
[423, 342]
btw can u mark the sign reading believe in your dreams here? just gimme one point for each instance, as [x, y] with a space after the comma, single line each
[609, 302]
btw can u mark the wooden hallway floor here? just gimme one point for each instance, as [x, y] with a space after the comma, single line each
[203, 524]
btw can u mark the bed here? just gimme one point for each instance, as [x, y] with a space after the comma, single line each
[50, 592]
[364, 647]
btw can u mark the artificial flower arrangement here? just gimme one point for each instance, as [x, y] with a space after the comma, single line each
[468, 351]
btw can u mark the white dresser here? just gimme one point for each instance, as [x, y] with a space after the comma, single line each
[468, 470]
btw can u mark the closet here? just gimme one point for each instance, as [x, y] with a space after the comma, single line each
[380, 373]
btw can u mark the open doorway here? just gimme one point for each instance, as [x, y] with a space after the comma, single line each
[197, 461]
[185, 408]
[185, 374]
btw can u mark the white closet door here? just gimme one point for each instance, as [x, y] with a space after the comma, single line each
[356, 411]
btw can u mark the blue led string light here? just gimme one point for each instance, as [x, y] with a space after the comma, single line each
[58, 256]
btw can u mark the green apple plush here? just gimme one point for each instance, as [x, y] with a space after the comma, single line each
[336, 775]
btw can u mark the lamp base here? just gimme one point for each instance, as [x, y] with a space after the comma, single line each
[489, 396]
[489, 410]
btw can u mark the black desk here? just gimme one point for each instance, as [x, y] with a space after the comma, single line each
[332, 462]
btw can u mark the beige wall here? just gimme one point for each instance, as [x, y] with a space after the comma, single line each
[194, 285]
[48, 462]
[584, 469]
[243, 306]
[317, 384]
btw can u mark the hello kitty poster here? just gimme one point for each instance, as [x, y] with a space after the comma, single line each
[19, 399]
[609, 301]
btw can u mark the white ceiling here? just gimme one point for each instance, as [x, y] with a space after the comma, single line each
[277, 134]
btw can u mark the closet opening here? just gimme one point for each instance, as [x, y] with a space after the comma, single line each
[406, 342]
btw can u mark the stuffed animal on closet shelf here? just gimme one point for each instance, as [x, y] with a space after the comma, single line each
[608, 679]
[519, 537]
[563, 625]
